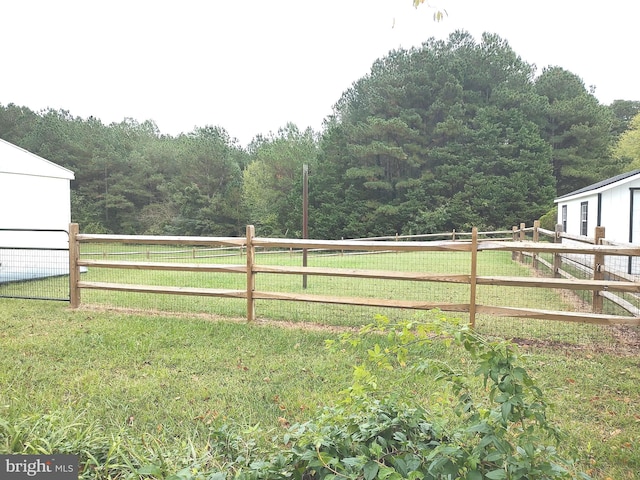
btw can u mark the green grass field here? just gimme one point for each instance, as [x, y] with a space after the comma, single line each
[158, 385]
[153, 375]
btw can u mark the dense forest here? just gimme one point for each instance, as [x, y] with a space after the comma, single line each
[453, 134]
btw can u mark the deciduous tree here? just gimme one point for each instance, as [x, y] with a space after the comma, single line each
[628, 148]
[272, 188]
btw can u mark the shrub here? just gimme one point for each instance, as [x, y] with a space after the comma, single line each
[549, 220]
[502, 435]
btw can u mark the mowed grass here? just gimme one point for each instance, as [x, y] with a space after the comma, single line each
[158, 373]
[170, 380]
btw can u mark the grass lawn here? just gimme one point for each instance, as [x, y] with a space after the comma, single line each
[158, 386]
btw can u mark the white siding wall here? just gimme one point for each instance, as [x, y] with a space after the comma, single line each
[34, 195]
[39, 203]
[574, 214]
[615, 213]
[32, 202]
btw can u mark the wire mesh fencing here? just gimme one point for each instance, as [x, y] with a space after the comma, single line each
[34, 264]
[334, 287]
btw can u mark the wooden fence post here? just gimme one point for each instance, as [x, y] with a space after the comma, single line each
[474, 277]
[521, 239]
[598, 271]
[251, 278]
[518, 236]
[557, 258]
[74, 269]
[536, 238]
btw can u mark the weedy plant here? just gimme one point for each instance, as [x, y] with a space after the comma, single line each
[497, 432]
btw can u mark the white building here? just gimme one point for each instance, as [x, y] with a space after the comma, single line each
[35, 212]
[613, 204]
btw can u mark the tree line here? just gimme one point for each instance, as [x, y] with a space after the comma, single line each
[453, 134]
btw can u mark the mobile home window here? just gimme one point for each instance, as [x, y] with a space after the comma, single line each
[584, 208]
[564, 218]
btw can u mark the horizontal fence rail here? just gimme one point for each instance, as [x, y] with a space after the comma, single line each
[603, 264]
[471, 245]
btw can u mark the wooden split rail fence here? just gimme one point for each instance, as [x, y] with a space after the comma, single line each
[516, 244]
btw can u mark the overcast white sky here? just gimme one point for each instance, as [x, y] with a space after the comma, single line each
[251, 66]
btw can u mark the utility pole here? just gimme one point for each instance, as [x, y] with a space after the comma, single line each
[305, 217]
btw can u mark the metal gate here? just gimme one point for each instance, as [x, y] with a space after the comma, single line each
[34, 264]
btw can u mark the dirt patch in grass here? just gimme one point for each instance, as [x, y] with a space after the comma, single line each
[308, 326]
[627, 342]
[627, 337]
